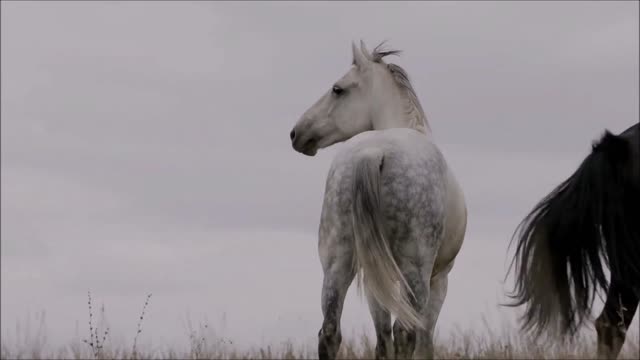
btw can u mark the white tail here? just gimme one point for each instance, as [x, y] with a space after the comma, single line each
[373, 257]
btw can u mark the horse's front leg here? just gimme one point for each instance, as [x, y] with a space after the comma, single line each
[338, 275]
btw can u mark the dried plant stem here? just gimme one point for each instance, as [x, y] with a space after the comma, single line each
[135, 339]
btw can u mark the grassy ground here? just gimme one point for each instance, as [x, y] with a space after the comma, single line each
[462, 345]
[509, 343]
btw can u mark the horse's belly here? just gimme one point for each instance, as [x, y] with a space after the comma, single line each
[455, 225]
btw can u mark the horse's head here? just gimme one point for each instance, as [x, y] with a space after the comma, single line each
[367, 97]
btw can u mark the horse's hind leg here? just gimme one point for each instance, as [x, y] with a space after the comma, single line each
[405, 340]
[382, 323]
[613, 322]
[421, 341]
[338, 275]
[439, 285]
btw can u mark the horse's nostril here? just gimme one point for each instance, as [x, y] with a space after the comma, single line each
[292, 135]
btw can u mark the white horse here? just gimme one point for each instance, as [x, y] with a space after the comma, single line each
[393, 212]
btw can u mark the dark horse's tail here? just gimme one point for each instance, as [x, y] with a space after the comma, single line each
[565, 242]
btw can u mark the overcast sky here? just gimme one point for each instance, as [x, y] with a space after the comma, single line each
[145, 149]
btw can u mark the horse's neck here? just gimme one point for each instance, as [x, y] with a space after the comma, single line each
[404, 113]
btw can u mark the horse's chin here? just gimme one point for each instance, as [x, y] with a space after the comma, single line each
[310, 152]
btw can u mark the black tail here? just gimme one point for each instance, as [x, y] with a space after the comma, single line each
[563, 245]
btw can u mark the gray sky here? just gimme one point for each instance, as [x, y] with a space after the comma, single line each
[145, 148]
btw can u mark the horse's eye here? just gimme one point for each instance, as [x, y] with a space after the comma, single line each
[337, 90]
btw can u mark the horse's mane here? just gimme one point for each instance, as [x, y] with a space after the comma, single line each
[401, 79]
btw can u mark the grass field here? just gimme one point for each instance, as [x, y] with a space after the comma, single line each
[467, 346]
[458, 345]
[201, 343]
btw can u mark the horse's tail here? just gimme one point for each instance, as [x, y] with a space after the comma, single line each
[373, 257]
[563, 242]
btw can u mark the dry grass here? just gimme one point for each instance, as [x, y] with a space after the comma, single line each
[460, 344]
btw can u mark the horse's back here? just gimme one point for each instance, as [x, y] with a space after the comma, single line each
[401, 148]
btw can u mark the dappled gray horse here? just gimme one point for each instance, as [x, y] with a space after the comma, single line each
[393, 213]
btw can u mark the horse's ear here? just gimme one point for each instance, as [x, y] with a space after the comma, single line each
[364, 50]
[359, 59]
